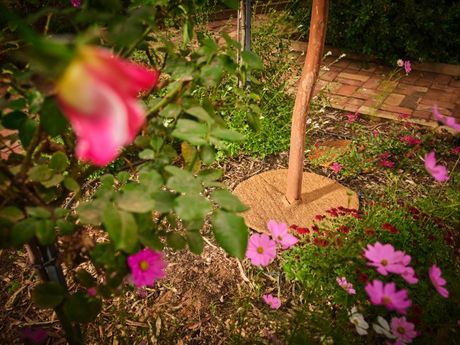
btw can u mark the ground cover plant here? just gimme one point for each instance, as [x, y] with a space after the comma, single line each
[129, 233]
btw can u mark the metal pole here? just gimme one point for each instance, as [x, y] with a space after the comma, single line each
[306, 86]
[247, 25]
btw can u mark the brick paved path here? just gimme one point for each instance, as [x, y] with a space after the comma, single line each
[349, 85]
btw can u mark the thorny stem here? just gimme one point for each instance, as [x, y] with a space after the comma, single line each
[30, 150]
[166, 99]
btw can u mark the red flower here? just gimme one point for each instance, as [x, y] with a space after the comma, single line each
[363, 277]
[333, 212]
[411, 140]
[320, 242]
[343, 229]
[369, 231]
[356, 215]
[390, 228]
[315, 228]
[319, 217]
[352, 117]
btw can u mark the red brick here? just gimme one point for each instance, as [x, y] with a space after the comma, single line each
[423, 82]
[422, 114]
[396, 109]
[442, 79]
[455, 83]
[349, 81]
[329, 75]
[394, 99]
[372, 83]
[355, 101]
[346, 90]
[447, 105]
[355, 76]
[342, 63]
[337, 100]
[364, 93]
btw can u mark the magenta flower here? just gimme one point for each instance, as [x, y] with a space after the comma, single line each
[386, 259]
[344, 284]
[409, 276]
[146, 266]
[75, 3]
[449, 121]
[437, 281]
[439, 172]
[403, 330]
[273, 302]
[92, 292]
[411, 140]
[375, 133]
[336, 167]
[455, 150]
[387, 295]
[261, 250]
[97, 93]
[280, 234]
[352, 117]
[407, 66]
[32, 335]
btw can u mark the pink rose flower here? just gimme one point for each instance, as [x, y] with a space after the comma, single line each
[352, 117]
[261, 250]
[387, 295]
[97, 93]
[146, 266]
[92, 292]
[386, 259]
[273, 302]
[75, 3]
[437, 281]
[402, 329]
[281, 235]
[439, 172]
[344, 284]
[448, 121]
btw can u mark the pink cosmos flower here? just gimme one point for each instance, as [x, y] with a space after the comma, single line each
[92, 292]
[375, 133]
[455, 150]
[336, 167]
[403, 329]
[437, 281]
[439, 172]
[273, 302]
[281, 235]
[386, 259]
[411, 140]
[409, 276]
[75, 3]
[449, 121]
[407, 66]
[261, 250]
[344, 284]
[32, 335]
[146, 266]
[400, 62]
[352, 117]
[97, 93]
[387, 295]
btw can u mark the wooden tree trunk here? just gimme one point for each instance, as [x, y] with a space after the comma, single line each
[307, 82]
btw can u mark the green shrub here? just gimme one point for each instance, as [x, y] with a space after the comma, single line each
[390, 29]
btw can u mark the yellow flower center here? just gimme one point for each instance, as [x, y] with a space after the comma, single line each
[384, 262]
[386, 300]
[401, 330]
[260, 250]
[280, 238]
[144, 265]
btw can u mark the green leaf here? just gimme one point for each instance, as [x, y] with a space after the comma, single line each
[195, 242]
[151, 240]
[191, 207]
[233, 4]
[151, 180]
[107, 181]
[191, 131]
[81, 308]
[89, 213]
[53, 181]
[171, 111]
[200, 113]
[147, 154]
[136, 201]
[184, 185]
[164, 201]
[71, 184]
[38, 212]
[187, 32]
[48, 295]
[231, 233]
[60, 212]
[156, 143]
[65, 227]
[252, 60]
[175, 240]
[59, 161]
[14, 120]
[44, 230]
[121, 227]
[123, 177]
[228, 201]
[26, 132]
[40, 173]
[11, 213]
[210, 174]
[227, 134]
[211, 74]
[85, 278]
[23, 232]
[208, 154]
[52, 119]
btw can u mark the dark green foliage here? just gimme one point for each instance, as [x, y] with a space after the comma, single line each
[426, 30]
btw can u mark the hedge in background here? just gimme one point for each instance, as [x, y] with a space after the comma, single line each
[424, 30]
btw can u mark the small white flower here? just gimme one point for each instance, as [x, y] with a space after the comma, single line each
[328, 53]
[383, 328]
[400, 63]
[358, 320]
